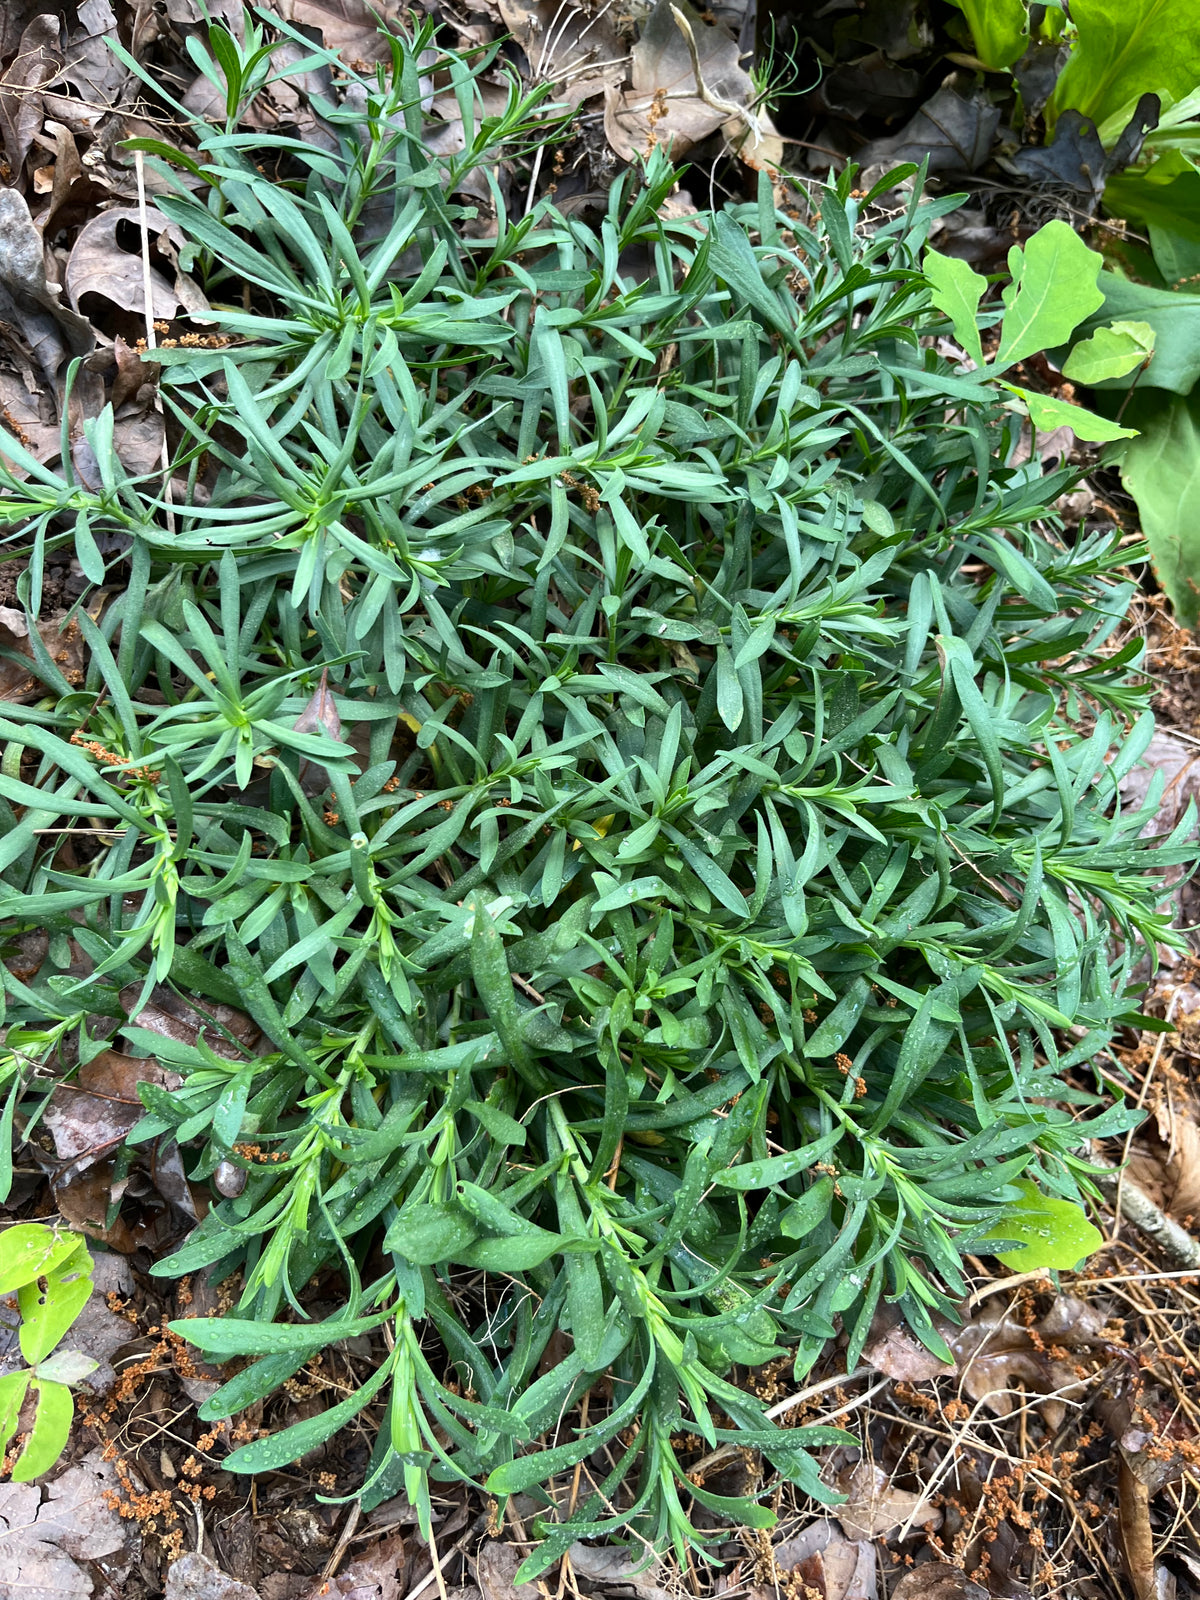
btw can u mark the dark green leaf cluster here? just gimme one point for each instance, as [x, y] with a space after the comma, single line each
[612, 713]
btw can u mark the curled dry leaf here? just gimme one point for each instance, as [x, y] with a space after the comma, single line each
[567, 45]
[1137, 1536]
[874, 1507]
[351, 27]
[954, 131]
[61, 637]
[664, 105]
[74, 193]
[84, 1202]
[894, 1351]
[379, 1573]
[88, 1121]
[29, 305]
[99, 265]
[89, 1118]
[319, 716]
[1164, 1161]
[37, 62]
[819, 1559]
[994, 1351]
[616, 1565]
[89, 66]
[496, 1566]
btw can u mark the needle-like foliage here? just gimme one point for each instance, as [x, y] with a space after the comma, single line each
[610, 710]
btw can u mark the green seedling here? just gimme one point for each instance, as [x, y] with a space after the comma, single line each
[51, 1276]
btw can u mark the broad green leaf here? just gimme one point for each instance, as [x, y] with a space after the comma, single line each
[51, 1428]
[1053, 290]
[1163, 197]
[1161, 470]
[28, 1250]
[1122, 50]
[1173, 316]
[1047, 411]
[999, 28]
[1054, 1233]
[51, 1304]
[428, 1234]
[956, 289]
[1110, 352]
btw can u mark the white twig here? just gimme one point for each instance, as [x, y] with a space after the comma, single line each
[727, 108]
[794, 1400]
[151, 342]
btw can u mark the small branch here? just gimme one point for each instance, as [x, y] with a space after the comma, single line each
[727, 108]
[1137, 1207]
[151, 342]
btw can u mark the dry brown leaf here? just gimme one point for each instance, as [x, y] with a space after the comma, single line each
[88, 1119]
[933, 1581]
[195, 1577]
[99, 265]
[62, 639]
[138, 433]
[15, 17]
[994, 1351]
[37, 62]
[83, 1204]
[664, 105]
[379, 1573]
[89, 65]
[28, 412]
[1180, 765]
[495, 1568]
[1137, 1537]
[874, 1507]
[348, 26]
[565, 43]
[29, 306]
[892, 1350]
[49, 1546]
[837, 1568]
[225, 1028]
[614, 1564]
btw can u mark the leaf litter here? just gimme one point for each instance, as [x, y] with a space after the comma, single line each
[1014, 1346]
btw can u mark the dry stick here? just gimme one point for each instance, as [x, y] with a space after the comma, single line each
[339, 1549]
[1141, 1100]
[437, 1564]
[794, 1400]
[726, 107]
[151, 342]
[1138, 1208]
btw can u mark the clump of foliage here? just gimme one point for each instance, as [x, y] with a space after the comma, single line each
[50, 1276]
[714, 911]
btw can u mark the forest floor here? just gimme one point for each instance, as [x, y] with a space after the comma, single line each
[1059, 1456]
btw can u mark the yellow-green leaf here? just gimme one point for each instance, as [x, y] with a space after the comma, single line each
[1111, 352]
[1053, 1233]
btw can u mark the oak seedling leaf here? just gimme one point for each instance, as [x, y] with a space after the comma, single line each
[1054, 1233]
[1111, 352]
[1054, 287]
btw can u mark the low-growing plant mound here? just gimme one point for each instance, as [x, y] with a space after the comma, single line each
[611, 711]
